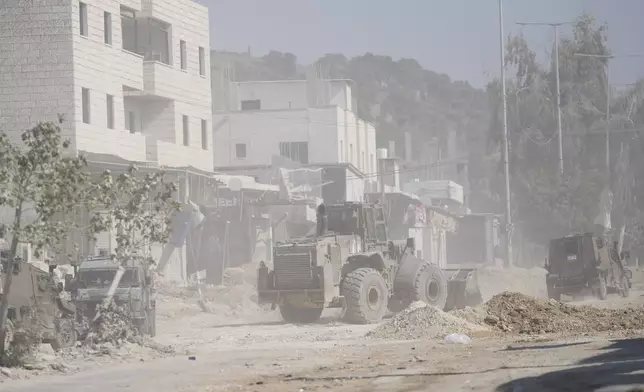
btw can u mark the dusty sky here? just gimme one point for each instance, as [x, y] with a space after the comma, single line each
[456, 37]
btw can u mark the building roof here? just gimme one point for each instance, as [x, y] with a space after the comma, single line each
[247, 183]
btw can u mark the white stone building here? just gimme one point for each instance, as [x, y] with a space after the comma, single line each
[309, 122]
[131, 77]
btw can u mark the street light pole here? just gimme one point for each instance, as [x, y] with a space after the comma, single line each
[555, 26]
[506, 161]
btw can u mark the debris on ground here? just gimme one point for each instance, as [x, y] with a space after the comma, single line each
[420, 321]
[519, 313]
[457, 338]
[113, 325]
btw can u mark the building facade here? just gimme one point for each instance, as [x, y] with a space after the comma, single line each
[308, 122]
[130, 77]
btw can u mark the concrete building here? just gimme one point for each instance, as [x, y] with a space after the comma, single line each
[308, 122]
[131, 77]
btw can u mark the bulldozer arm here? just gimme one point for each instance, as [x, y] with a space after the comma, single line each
[462, 288]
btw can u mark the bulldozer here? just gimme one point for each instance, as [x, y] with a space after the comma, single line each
[349, 263]
[584, 261]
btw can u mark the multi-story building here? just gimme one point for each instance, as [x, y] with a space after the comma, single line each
[309, 122]
[130, 77]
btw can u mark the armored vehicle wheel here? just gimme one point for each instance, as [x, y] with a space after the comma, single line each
[625, 289]
[297, 315]
[602, 289]
[430, 286]
[65, 335]
[553, 293]
[8, 334]
[366, 295]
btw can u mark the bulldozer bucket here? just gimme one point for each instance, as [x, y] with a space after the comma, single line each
[462, 288]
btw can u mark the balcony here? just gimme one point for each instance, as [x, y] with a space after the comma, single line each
[131, 69]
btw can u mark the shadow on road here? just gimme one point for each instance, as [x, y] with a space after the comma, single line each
[322, 321]
[544, 346]
[619, 365]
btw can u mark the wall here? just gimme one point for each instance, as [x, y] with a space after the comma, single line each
[287, 94]
[36, 75]
[262, 131]
[104, 69]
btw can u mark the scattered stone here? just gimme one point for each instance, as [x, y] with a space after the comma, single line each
[518, 313]
[420, 321]
[5, 372]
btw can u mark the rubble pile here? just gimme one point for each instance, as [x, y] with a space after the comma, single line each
[420, 321]
[518, 313]
[114, 325]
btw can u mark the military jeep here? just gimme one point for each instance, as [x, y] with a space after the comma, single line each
[134, 293]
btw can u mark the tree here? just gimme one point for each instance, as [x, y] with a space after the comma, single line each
[138, 207]
[39, 183]
[545, 203]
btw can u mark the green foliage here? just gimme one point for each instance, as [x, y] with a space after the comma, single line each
[43, 183]
[40, 179]
[547, 204]
[139, 207]
[40, 182]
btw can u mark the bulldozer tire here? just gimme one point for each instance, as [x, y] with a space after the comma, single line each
[430, 286]
[366, 295]
[295, 315]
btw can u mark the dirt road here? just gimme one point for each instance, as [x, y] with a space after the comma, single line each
[330, 356]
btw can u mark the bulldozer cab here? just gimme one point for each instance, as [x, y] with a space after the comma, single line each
[364, 220]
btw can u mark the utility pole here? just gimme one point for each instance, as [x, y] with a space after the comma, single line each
[608, 57]
[555, 26]
[506, 161]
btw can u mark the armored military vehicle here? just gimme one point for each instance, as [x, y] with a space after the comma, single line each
[35, 299]
[350, 264]
[135, 291]
[580, 262]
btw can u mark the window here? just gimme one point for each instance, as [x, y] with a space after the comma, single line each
[159, 46]
[204, 134]
[296, 151]
[186, 131]
[255, 104]
[110, 111]
[350, 152]
[129, 30]
[83, 18]
[364, 163]
[86, 107]
[130, 122]
[202, 61]
[184, 55]
[240, 150]
[107, 28]
[341, 150]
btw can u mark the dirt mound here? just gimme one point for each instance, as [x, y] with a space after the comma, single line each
[518, 313]
[420, 321]
[494, 280]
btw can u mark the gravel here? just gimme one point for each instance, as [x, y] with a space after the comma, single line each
[420, 321]
[518, 313]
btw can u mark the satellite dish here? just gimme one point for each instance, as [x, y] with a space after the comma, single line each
[235, 184]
